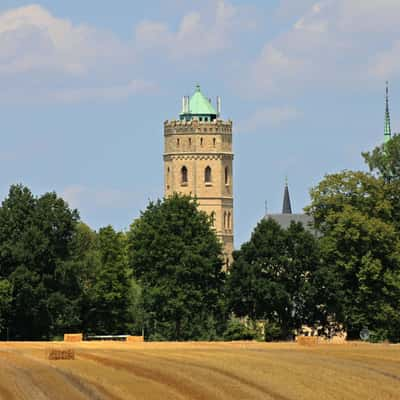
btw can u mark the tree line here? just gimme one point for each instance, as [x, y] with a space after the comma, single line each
[164, 276]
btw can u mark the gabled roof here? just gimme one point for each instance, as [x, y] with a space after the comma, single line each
[200, 105]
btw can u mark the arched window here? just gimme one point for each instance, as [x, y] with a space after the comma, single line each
[177, 142]
[190, 141]
[207, 175]
[224, 219]
[226, 176]
[201, 141]
[214, 141]
[168, 173]
[229, 220]
[184, 175]
[213, 218]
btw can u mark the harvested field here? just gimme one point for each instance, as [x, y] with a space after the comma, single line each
[200, 371]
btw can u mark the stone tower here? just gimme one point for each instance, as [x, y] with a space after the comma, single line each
[198, 161]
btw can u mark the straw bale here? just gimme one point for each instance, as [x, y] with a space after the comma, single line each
[307, 340]
[73, 337]
[133, 339]
[60, 354]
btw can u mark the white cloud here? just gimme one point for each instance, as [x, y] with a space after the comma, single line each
[267, 117]
[386, 63]
[290, 8]
[199, 33]
[48, 58]
[32, 39]
[335, 42]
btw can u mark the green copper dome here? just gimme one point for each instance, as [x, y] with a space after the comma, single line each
[198, 107]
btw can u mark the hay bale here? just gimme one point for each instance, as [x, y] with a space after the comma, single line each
[60, 354]
[73, 337]
[338, 340]
[307, 340]
[135, 339]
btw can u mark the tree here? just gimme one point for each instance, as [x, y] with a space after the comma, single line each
[109, 293]
[385, 159]
[384, 162]
[5, 305]
[361, 247]
[35, 238]
[176, 257]
[272, 275]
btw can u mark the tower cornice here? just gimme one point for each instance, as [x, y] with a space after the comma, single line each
[198, 156]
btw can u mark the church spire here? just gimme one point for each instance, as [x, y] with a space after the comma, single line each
[388, 132]
[286, 208]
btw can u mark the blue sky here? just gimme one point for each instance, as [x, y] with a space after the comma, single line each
[86, 85]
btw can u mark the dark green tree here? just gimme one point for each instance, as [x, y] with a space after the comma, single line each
[35, 238]
[176, 257]
[110, 288]
[5, 306]
[273, 274]
[385, 159]
[384, 162]
[360, 247]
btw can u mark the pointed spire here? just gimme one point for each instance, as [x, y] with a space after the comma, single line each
[388, 132]
[286, 208]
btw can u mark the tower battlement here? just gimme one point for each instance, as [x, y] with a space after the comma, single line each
[195, 126]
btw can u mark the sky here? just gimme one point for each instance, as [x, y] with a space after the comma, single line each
[86, 86]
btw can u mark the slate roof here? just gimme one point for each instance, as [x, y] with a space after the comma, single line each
[284, 220]
[287, 207]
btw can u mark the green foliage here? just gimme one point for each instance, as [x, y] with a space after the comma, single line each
[361, 247]
[378, 336]
[57, 275]
[5, 304]
[272, 332]
[176, 258]
[385, 160]
[110, 290]
[35, 237]
[238, 330]
[135, 310]
[273, 274]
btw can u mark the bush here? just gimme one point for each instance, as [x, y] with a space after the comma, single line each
[237, 330]
[378, 336]
[272, 332]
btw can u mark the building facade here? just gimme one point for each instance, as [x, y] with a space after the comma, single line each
[198, 161]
